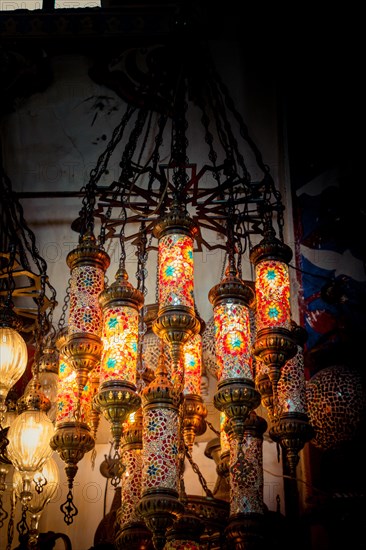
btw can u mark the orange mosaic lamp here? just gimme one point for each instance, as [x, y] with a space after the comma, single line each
[176, 321]
[195, 411]
[274, 343]
[72, 438]
[236, 394]
[117, 396]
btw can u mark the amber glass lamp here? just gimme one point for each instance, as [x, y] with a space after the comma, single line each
[30, 433]
[13, 354]
[38, 494]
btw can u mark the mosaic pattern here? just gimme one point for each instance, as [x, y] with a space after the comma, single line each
[182, 545]
[151, 346]
[193, 365]
[176, 271]
[85, 314]
[67, 395]
[131, 485]
[160, 449]
[272, 289]
[209, 349]
[120, 344]
[336, 399]
[291, 389]
[232, 336]
[246, 476]
[150, 350]
[224, 440]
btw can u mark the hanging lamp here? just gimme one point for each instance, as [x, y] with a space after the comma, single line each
[274, 343]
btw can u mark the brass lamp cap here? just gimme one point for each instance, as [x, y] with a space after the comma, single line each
[49, 361]
[176, 221]
[88, 253]
[34, 399]
[270, 248]
[233, 288]
[121, 293]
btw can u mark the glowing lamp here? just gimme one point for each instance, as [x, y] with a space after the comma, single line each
[30, 433]
[236, 394]
[117, 396]
[195, 411]
[13, 360]
[274, 344]
[176, 321]
[83, 345]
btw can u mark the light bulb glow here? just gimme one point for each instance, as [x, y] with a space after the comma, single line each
[13, 358]
[29, 440]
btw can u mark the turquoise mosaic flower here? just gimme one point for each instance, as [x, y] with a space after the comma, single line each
[112, 322]
[88, 280]
[271, 274]
[111, 363]
[273, 312]
[169, 272]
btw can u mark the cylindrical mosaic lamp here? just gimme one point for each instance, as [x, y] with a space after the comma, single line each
[132, 532]
[274, 343]
[176, 321]
[83, 346]
[292, 428]
[195, 411]
[159, 504]
[246, 521]
[236, 394]
[117, 396]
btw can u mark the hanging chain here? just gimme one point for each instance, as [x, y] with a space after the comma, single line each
[11, 520]
[212, 428]
[22, 525]
[196, 470]
[62, 320]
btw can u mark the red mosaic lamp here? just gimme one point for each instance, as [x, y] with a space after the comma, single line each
[72, 438]
[236, 394]
[176, 322]
[274, 343]
[195, 411]
[117, 396]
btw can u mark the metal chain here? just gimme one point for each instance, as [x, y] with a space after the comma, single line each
[11, 520]
[212, 428]
[196, 470]
[65, 306]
